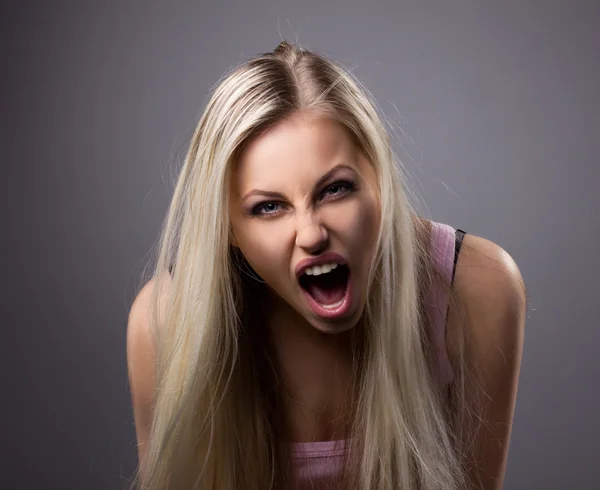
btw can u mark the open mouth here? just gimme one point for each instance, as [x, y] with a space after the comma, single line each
[327, 285]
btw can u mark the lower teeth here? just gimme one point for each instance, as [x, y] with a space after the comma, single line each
[334, 305]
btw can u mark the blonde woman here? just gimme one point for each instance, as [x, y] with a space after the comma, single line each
[303, 327]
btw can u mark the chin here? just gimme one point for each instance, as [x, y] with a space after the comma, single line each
[333, 328]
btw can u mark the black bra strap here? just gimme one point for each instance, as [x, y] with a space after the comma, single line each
[458, 238]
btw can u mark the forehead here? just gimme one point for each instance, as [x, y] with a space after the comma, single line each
[298, 149]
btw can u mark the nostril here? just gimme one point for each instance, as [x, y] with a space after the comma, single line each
[313, 239]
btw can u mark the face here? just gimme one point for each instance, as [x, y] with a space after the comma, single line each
[305, 213]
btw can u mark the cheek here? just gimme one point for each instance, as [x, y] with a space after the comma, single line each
[358, 224]
[266, 250]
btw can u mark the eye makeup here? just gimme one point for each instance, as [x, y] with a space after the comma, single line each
[332, 192]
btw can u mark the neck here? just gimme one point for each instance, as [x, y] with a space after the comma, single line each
[316, 373]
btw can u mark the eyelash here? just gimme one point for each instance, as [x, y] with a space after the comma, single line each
[347, 185]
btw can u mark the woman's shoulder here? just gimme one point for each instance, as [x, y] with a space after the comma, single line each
[487, 274]
[489, 287]
[491, 293]
[140, 346]
[140, 335]
[141, 358]
[480, 259]
[486, 278]
[140, 365]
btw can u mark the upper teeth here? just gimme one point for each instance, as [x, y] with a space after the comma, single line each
[320, 269]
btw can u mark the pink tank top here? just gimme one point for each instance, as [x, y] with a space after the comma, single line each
[318, 465]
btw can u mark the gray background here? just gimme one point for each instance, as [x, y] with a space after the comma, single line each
[499, 106]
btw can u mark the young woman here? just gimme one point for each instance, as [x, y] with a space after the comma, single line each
[303, 328]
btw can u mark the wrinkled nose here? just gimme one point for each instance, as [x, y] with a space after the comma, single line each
[311, 235]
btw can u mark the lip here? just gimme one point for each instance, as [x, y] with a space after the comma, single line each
[325, 258]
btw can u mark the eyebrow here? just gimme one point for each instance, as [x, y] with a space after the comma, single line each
[278, 195]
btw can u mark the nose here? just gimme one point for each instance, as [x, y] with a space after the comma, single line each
[311, 235]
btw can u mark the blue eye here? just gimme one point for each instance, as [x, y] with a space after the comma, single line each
[265, 208]
[338, 189]
[333, 192]
[334, 189]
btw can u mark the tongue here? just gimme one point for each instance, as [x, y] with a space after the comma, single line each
[326, 294]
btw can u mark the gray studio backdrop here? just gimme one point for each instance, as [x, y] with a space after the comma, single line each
[496, 106]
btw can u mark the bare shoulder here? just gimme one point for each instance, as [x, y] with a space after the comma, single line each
[140, 364]
[139, 307]
[488, 283]
[139, 338]
[139, 335]
[489, 287]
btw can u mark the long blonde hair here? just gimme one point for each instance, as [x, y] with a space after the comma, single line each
[215, 418]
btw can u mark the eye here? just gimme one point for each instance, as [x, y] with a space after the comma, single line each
[339, 189]
[266, 208]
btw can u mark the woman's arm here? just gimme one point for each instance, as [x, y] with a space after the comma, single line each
[490, 288]
[140, 365]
